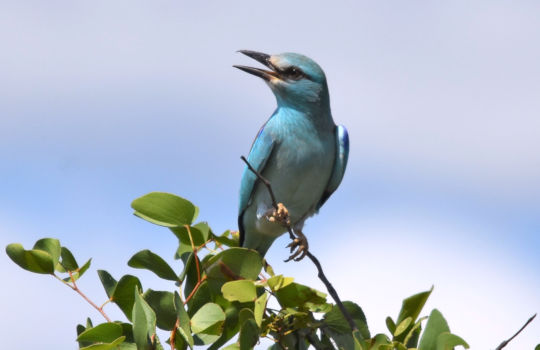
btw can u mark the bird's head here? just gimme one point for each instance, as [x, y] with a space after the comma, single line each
[296, 80]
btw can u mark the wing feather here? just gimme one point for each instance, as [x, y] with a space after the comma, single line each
[258, 157]
[340, 164]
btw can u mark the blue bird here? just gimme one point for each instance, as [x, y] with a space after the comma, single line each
[299, 150]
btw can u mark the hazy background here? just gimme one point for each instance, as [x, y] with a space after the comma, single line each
[101, 102]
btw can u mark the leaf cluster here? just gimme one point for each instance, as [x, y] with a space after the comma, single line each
[223, 297]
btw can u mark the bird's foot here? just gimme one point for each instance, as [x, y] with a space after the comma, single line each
[299, 247]
[280, 215]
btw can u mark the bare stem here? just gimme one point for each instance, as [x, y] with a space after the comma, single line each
[105, 303]
[504, 343]
[194, 253]
[76, 289]
[172, 339]
[194, 290]
[312, 257]
[264, 181]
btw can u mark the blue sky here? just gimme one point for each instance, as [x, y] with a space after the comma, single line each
[102, 102]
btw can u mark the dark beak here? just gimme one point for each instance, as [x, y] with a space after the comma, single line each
[262, 58]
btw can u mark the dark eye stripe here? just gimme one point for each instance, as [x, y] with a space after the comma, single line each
[297, 72]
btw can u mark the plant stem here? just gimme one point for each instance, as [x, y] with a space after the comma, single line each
[312, 257]
[504, 343]
[76, 289]
[194, 289]
[172, 339]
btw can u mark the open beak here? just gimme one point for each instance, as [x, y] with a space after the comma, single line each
[262, 58]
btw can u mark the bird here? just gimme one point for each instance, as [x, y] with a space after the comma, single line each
[299, 150]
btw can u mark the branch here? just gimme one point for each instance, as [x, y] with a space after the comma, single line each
[504, 343]
[172, 338]
[264, 181]
[75, 288]
[312, 257]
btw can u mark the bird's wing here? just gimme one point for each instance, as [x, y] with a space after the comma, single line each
[340, 163]
[258, 156]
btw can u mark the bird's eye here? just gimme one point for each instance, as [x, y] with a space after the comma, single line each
[293, 73]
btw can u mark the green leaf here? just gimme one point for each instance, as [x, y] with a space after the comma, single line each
[411, 307]
[268, 269]
[260, 306]
[193, 274]
[37, 261]
[163, 305]
[537, 347]
[164, 209]
[402, 326]
[103, 333]
[186, 235]
[127, 330]
[232, 264]
[145, 259]
[184, 323]
[390, 324]
[105, 346]
[344, 341]
[298, 295]
[188, 262]
[124, 295]
[144, 322]
[278, 282]
[447, 341]
[359, 341]
[436, 325]
[225, 240]
[179, 341]
[51, 246]
[235, 346]
[241, 290]
[249, 335]
[244, 315]
[206, 317]
[68, 260]
[413, 335]
[204, 229]
[201, 297]
[109, 283]
[79, 271]
[231, 326]
[335, 320]
[378, 341]
[399, 346]
[209, 336]
[128, 346]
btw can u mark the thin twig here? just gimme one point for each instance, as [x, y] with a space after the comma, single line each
[312, 257]
[264, 181]
[194, 253]
[504, 343]
[172, 338]
[75, 288]
[332, 292]
[194, 290]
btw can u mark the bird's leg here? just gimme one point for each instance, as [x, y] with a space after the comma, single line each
[300, 244]
[279, 215]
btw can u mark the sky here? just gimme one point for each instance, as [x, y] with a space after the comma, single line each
[102, 102]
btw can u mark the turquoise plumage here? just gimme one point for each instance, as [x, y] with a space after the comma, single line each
[299, 150]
